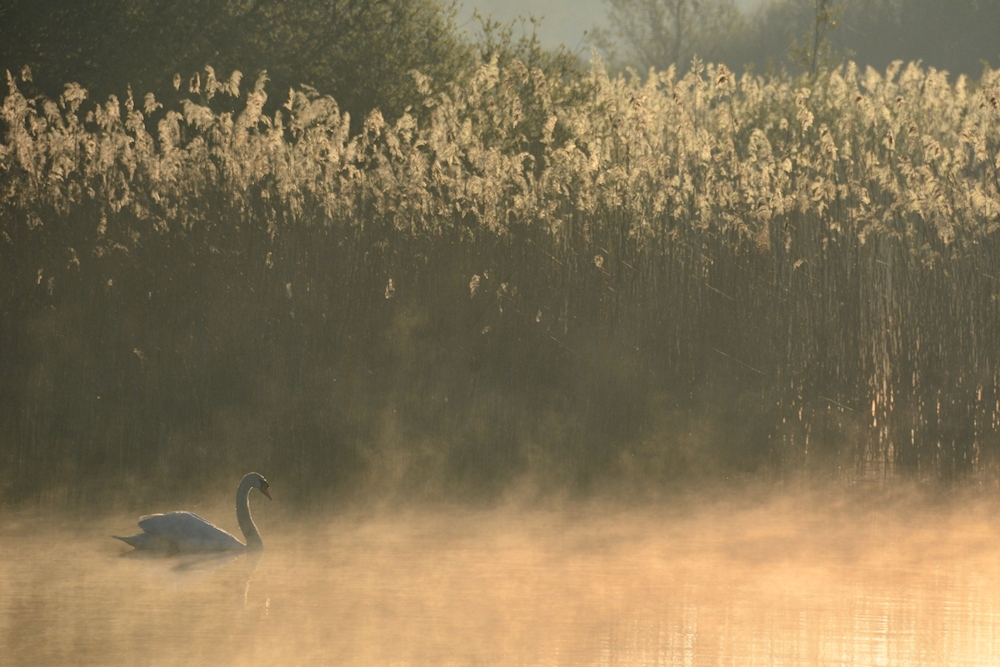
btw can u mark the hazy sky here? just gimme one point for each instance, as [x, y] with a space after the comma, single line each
[565, 20]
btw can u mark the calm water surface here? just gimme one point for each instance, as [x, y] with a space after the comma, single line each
[792, 581]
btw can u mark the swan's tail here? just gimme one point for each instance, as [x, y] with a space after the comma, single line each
[134, 541]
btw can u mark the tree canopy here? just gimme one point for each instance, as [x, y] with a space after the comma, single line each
[358, 51]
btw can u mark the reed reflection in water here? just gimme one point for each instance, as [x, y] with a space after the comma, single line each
[789, 581]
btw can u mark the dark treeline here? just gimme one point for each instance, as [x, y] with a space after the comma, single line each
[359, 51]
[527, 272]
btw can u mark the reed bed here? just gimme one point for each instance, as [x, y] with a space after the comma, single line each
[575, 282]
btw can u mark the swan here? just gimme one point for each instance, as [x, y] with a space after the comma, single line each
[184, 531]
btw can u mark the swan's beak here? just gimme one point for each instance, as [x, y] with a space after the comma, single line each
[265, 491]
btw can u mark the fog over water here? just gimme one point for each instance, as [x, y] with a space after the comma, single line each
[788, 578]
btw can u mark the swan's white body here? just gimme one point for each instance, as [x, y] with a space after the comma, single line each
[184, 531]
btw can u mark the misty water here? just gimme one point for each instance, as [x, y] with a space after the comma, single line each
[834, 578]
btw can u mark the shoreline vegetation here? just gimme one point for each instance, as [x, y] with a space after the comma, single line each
[523, 276]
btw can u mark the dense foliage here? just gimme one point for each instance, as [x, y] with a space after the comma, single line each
[701, 274]
[360, 51]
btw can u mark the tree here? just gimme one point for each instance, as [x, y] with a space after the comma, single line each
[817, 48]
[359, 51]
[661, 33]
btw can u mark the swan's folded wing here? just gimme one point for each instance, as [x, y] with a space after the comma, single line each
[145, 541]
[189, 531]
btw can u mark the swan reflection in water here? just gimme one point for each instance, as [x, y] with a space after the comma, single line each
[185, 532]
[198, 561]
[218, 571]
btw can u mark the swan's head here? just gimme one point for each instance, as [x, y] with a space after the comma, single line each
[262, 484]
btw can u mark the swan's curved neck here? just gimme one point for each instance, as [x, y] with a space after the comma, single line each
[250, 533]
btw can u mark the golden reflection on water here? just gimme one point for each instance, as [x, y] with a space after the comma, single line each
[823, 580]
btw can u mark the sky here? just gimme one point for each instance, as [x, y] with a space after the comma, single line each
[564, 20]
